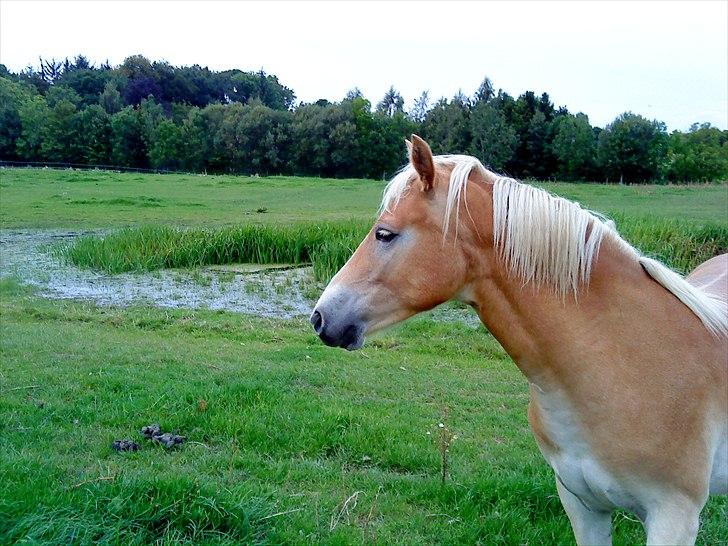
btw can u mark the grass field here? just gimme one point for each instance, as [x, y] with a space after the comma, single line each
[90, 199]
[289, 441]
[46, 198]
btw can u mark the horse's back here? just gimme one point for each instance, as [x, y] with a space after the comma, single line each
[712, 277]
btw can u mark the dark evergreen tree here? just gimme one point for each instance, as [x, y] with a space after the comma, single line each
[447, 126]
[392, 103]
[494, 141]
[421, 106]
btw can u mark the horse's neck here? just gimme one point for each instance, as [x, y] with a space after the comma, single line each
[551, 337]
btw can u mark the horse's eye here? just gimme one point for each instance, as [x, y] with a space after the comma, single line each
[384, 235]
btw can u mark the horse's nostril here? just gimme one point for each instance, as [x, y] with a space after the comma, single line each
[317, 321]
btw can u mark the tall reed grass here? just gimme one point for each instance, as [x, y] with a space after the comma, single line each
[327, 246]
[680, 244]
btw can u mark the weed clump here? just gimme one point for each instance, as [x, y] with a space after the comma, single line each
[326, 246]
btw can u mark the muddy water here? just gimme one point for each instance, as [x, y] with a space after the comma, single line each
[26, 255]
[260, 290]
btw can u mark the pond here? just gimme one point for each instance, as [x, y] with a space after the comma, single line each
[271, 291]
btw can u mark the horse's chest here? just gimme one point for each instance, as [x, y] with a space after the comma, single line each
[567, 448]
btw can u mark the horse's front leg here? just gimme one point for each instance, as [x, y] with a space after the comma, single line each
[675, 522]
[591, 527]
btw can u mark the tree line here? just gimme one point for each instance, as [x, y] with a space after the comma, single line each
[154, 115]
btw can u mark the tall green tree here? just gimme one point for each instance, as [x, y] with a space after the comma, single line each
[210, 123]
[531, 118]
[312, 128]
[60, 142]
[574, 147]
[632, 149]
[387, 153]
[150, 114]
[420, 108]
[238, 86]
[485, 92]
[447, 126]
[392, 103]
[13, 95]
[110, 98]
[86, 82]
[254, 138]
[493, 140]
[92, 127]
[195, 145]
[167, 148]
[263, 136]
[127, 143]
[537, 144]
[700, 155]
[34, 115]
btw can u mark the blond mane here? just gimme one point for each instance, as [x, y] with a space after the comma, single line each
[548, 240]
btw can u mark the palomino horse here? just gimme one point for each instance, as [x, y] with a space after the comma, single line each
[627, 361]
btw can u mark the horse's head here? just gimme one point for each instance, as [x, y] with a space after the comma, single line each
[416, 256]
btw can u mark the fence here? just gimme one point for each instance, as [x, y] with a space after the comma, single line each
[84, 166]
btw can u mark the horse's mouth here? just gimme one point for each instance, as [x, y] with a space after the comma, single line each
[353, 338]
[350, 337]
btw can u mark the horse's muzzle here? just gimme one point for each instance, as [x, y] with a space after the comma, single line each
[337, 327]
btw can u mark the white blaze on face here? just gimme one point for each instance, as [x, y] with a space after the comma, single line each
[337, 317]
[336, 298]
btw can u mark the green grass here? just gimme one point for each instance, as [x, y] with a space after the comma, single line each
[47, 198]
[697, 204]
[291, 429]
[680, 244]
[326, 245]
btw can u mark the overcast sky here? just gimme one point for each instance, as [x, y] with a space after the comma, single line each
[664, 60]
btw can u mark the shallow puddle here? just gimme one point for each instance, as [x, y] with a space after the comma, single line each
[276, 291]
[247, 288]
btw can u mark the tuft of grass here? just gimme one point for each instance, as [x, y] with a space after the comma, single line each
[327, 246]
[13, 285]
[679, 244]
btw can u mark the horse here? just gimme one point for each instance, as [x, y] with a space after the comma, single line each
[627, 360]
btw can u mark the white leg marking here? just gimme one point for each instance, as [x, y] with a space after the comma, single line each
[673, 523]
[591, 528]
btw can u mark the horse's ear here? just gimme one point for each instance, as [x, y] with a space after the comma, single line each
[421, 159]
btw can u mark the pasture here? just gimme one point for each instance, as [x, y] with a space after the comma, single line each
[45, 198]
[289, 441]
